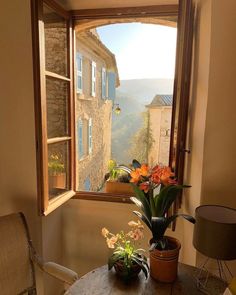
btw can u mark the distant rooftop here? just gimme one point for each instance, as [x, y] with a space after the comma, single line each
[161, 100]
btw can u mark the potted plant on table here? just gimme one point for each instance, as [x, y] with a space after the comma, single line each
[56, 170]
[127, 260]
[155, 191]
[117, 180]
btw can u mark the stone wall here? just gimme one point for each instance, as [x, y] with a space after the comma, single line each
[56, 90]
[160, 124]
[93, 166]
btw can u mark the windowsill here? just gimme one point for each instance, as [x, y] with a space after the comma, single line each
[103, 197]
[81, 96]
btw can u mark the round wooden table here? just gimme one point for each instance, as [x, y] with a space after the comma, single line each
[103, 282]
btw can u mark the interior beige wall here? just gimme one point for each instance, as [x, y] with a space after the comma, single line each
[18, 187]
[220, 140]
[197, 119]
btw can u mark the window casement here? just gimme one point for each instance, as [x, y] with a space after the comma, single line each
[93, 79]
[53, 77]
[104, 83]
[56, 85]
[79, 71]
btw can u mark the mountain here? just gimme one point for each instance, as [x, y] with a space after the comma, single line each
[132, 96]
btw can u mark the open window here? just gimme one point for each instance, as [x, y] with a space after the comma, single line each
[53, 103]
[60, 79]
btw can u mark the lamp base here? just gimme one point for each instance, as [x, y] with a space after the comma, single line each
[204, 277]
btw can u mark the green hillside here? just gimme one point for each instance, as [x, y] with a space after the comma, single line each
[132, 96]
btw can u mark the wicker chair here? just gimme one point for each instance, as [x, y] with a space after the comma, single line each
[17, 259]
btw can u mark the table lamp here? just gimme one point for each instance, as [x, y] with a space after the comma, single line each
[215, 237]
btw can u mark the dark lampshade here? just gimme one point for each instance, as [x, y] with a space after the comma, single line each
[215, 232]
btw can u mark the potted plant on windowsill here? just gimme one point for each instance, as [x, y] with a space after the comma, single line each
[56, 171]
[155, 191]
[117, 180]
[126, 259]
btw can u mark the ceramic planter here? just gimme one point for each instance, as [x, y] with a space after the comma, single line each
[164, 263]
[125, 273]
[115, 187]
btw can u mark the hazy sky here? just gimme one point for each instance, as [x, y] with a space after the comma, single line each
[142, 50]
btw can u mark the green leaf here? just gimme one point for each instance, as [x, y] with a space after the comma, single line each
[144, 219]
[185, 216]
[144, 266]
[113, 259]
[139, 194]
[159, 226]
[168, 195]
[136, 164]
[152, 205]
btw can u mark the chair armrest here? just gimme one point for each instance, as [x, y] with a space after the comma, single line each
[60, 272]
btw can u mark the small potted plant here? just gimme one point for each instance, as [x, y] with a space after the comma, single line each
[56, 171]
[117, 180]
[127, 260]
[155, 191]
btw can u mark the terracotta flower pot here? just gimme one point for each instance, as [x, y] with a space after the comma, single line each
[115, 187]
[164, 263]
[57, 181]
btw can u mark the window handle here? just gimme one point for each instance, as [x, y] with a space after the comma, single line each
[188, 151]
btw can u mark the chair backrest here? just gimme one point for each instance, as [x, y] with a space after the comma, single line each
[16, 268]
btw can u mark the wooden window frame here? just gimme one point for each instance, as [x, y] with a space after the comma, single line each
[184, 11]
[181, 92]
[46, 205]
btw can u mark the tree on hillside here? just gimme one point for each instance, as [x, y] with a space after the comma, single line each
[142, 141]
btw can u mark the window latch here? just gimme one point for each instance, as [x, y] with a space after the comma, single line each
[188, 151]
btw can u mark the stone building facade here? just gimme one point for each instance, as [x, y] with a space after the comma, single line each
[97, 77]
[160, 111]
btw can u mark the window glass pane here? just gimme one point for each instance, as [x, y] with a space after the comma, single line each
[79, 83]
[58, 169]
[57, 107]
[55, 31]
[135, 123]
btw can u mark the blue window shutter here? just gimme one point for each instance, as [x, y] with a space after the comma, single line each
[90, 135]
[93, 79]
[78, 61]
[104, 79]
[111, 85]
[80, 138]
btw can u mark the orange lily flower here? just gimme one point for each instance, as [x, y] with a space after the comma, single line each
[135, 176]
[143, 170]
[144, 186]
[166, 174]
